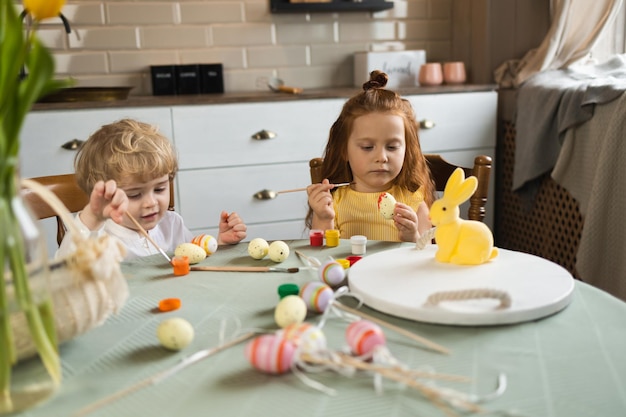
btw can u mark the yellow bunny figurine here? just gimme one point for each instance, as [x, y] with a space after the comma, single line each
[462, 242]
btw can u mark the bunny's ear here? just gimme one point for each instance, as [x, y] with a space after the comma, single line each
[458, 189]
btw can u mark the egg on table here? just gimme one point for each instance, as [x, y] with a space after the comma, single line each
[206, 242]
[278, 251]
[290, 310]
[193, 252]
[386, 205]
[175, 333]
[258, 248]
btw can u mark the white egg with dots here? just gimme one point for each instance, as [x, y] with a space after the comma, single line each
[175, 333]
[258, 248]
[278, 251]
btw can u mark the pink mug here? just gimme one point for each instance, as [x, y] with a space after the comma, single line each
[430, 74]
[454, 72]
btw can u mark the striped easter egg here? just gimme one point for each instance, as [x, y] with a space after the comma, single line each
[332, 273]
[271, 353]
[307, 337]
[316, 295]
[206, 242]
[363, 337]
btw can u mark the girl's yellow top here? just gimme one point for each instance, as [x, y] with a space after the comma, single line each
[357, 213]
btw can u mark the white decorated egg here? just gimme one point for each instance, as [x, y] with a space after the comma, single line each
[258, 248]
[175, 333]
[193, 252]
[290, 310]
[278, 251]
[386, 205]
[206, 242]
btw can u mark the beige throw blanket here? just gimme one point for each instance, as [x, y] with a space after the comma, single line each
[592, 167]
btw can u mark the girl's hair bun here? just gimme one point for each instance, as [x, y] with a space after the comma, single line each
[378, 79]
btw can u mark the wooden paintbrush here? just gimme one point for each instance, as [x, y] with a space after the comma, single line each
[244, 269]
[147, 236]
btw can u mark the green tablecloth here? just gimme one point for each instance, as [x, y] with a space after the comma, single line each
[567, 365]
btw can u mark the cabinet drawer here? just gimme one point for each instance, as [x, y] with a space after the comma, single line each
[221, 135]
[462, 121]
[203, 194]
[44, 133]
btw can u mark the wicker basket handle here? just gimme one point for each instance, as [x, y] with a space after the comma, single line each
[55, 203]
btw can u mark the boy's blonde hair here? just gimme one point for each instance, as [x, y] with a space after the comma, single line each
[126, 150]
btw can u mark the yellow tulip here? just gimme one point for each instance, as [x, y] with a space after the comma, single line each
[43, 9]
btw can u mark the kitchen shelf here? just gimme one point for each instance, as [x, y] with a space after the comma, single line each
[284, 6]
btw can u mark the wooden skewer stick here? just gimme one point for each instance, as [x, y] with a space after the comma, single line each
[304, 189]
[244, 269]
[419, 339]
[156, 378]
[147, 236]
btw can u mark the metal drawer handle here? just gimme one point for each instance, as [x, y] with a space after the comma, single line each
[264, 134]
[72, 145]
[427, 124]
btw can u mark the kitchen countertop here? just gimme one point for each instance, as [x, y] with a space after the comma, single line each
[250, 97]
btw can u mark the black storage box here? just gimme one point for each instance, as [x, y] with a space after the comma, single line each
[211, 78]
[188, 79]
[163, 80]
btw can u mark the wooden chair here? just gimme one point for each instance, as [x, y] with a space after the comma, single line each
[441, 170]
[70, 194]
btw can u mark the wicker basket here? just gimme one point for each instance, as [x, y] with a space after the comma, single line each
[86, 287]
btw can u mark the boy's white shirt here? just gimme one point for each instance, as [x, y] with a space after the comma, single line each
[168, 234]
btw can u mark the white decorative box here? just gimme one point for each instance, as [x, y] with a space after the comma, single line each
[402, 67]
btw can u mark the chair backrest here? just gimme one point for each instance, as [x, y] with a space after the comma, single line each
[441, 170]
[70, 194]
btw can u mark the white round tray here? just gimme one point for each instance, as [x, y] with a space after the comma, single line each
[399, 281]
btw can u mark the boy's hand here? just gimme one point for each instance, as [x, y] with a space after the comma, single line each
[105, 202]
[231, 230]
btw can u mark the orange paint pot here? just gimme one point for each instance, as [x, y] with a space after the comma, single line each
[181, 265]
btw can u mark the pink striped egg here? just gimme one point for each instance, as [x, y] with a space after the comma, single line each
[305, 336]
[206, 242]
[271, 353]
[363, 336]
[316, 295]
[332, 273]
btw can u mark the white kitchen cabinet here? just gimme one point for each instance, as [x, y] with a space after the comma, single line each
[222, 165]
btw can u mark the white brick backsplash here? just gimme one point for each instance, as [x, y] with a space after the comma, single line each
[138, 61]
[120, 39]
[338, 54]
[84, 14]
[159, 37]
[211, 12]
[140, 14]
[109, 38]
[374, 31]
[230, 58]
[240, 34]
[277, 56]
[72, 64]
[306, 33]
